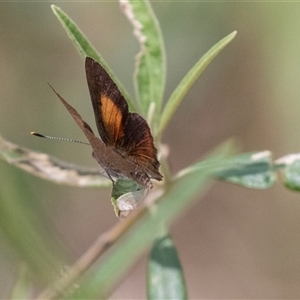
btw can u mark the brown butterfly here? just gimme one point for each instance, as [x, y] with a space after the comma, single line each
[126, 147]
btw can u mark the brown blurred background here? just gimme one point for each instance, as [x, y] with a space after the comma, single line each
[236, 242]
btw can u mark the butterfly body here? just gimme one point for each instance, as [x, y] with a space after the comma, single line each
[126, 147]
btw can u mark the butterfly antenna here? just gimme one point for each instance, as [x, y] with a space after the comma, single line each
[57, 138]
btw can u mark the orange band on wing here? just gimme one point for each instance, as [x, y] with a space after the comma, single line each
[112, 119]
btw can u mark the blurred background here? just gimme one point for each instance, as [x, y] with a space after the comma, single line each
[235, 242]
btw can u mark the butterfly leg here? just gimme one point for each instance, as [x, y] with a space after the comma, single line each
[109, 176]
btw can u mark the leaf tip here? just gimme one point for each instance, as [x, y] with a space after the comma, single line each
[231, 36]
[54, 7]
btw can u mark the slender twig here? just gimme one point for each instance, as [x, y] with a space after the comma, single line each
[101, 245]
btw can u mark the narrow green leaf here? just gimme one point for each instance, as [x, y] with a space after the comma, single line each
[82, 44]
[85, 48]
[150, 62]
[189, 79]
[252, 170]
[165, 279]
[290, 169]
[180, 195]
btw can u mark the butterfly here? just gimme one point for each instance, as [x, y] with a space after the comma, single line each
[126, 147]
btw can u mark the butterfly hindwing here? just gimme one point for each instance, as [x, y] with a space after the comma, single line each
[138, 143]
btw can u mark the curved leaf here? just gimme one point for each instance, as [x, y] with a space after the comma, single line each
[150, 69]
[189, 79]
[85, 48]
[252, 170]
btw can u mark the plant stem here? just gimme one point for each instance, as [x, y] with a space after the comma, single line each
[101, 245]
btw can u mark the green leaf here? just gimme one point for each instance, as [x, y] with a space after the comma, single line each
[176, 199]
[82, 44]
[85, 48]
[189, 79]
[290, 165]
[126, 194]
[150, 62]
[252, 170]
[165, 278]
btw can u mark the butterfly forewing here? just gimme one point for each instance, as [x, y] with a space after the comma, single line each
[110, 107]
